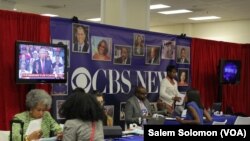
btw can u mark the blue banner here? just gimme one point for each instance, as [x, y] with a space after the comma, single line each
[114, 60]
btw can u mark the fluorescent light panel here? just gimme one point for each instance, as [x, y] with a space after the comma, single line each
[175, 12]
[94, 19]
[158, 6]
[50, 15]
[204, 18]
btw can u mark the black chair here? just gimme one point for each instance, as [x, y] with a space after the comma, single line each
[21, 131]
[216, 106]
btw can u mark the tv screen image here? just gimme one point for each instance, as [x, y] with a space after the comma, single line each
[230, 71]
[40, 63]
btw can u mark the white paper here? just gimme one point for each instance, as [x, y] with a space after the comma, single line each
[134, 131]
[34, 125]
[48, 139]
[182, 99]
[170, 118]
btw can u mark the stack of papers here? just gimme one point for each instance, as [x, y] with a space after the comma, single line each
[34, 125]
[48, 139]
[134, 131]
[170, 118]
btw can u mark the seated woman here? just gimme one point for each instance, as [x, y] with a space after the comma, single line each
[107, 119]
[195, 110]
[83, 117]
[37, 102]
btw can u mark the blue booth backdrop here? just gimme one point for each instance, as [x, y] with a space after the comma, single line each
[115, 80]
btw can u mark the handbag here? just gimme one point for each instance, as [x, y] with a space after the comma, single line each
[92, 136]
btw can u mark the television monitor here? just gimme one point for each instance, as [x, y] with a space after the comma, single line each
[230, 71]
[40, 62]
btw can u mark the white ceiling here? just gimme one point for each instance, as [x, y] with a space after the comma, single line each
[228, 10]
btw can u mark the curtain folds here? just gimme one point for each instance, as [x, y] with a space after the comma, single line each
[17, 26]
[205, 56]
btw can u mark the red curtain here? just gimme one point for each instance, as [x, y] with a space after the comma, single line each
[205, 56]
[17, 26]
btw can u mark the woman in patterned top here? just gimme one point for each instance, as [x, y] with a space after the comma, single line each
[37, 102]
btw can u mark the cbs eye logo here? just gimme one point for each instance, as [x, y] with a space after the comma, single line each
[81, 78]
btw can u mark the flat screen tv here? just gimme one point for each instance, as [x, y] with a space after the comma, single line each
[230, 71]
[40, 63]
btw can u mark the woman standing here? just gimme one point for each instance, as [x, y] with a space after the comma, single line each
[168, 89]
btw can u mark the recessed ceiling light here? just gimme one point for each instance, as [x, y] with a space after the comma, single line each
[158, 6]
[175, 11]
[204, 18]
[49, 15]
[94, 19]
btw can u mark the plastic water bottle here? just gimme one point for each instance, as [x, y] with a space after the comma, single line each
[209, 111]
[144, 122]
[212, 111]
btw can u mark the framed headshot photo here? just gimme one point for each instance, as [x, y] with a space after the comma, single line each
[153, 106]
[168, 49]
[101, 48]
[138, 44]
[58, 106]
[183, 54]
[122, 110]
[64, 42]
[60, 89]
[122, 54]
[183, 76]
[153, 55]
[109, 113]
[80, 38]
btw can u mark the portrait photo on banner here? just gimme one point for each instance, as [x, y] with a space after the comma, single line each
[122, 110]
[80, 38]
[101, 48]
[153, 55]
[183, 76]
[168, 49]
[67, 43]
[183, 54]
[58, 106]
[60, 89]
[153, 106]
[109, 113]
[122, 55]
[139, 44]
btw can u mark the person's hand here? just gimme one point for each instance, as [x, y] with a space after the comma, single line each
[147, 117]
[35, 135]
[59, 136]
[176, 98]
[178, 119]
